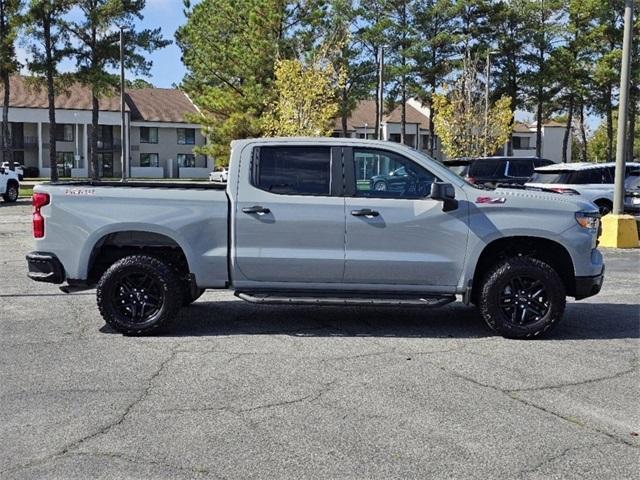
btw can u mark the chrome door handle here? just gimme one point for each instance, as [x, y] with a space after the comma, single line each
[365, 212]
[256, 209]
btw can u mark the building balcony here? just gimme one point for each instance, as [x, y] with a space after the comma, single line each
[16, 143]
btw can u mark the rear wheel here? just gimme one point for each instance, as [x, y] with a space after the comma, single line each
[11, 195]
[380, 186]
[522, 298]
[136, 295]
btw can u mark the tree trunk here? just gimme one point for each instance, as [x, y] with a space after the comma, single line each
[609, 126]
[631, 138]
[95, 110]
[567, 132]
[6, 135]
[432, 114]
[403, 112]
[51, 95]
[583, 133]
[539, 125]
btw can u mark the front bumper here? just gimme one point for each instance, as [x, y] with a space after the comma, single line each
[589, 286]
[45, 267]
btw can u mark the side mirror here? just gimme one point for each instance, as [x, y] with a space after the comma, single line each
[445, 193]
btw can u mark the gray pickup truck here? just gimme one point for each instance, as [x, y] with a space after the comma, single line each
[306, 220]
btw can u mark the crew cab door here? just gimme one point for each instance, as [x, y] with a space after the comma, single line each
[397, 235]
[289, 215]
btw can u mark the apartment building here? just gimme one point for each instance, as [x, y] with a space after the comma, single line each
[160, 137]
[362, 124]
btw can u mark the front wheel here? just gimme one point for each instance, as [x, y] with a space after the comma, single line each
[136, 295]
[380, 187]
[11, 195]
[522, 298]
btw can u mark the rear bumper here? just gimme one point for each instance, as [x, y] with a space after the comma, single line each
[45, 267]
[589, 286]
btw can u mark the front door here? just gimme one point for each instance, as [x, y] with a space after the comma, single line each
[289, 217]
[65, 163]
[395, 234]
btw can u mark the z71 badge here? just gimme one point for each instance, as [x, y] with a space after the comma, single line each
[491, 200]
[80, 192]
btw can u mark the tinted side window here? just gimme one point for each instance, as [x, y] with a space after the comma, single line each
[589, 176]
[520, 168]
[487, 169]
[293, 170]
[383, 174]
[541, 162]
[609, 175]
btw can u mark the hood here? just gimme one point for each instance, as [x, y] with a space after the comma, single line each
[523, 198]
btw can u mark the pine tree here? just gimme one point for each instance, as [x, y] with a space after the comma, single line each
[44, 20]
[433, 52]
[94, 44]
[9, 24]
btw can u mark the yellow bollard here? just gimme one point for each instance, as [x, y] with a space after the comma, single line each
[619, 231]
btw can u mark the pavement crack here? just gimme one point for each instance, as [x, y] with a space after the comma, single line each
[622, 373]
[553, 458]
[67, 449]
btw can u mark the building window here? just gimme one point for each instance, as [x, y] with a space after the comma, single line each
[105, 164]
[521, 143]
[395, 137]
[186, 160]
[64, 132]
[105, 136]
[148, 135]
[186, 136]
[149, 160]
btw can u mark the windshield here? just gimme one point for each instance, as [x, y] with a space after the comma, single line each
[551, 177]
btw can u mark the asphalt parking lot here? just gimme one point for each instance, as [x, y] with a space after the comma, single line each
[240, 391]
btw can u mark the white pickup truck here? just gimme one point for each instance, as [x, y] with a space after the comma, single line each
[300, 221]
[9, 185]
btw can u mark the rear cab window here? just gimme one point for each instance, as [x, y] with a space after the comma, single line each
[292, 170]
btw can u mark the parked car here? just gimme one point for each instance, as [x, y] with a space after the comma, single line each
[402, 179]
[9, 185]
[632, 192]
[220, 175]
[19, 169]
[298, 223]
[594, 181]
[493, 171]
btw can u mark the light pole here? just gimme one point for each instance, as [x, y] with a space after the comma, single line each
[380, 91]
[123, 118]
[619, 230]
[621, 146]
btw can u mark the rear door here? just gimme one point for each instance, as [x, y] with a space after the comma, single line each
[289, 217]
[400, 236]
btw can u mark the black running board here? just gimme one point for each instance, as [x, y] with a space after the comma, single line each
[281, 298]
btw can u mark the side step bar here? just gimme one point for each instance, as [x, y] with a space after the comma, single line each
[281, 298]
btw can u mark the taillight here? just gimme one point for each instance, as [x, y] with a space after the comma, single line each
[38, 201]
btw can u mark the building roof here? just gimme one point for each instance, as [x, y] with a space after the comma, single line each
[365, 114]
[76, 97]
[520, 127]
[145, 104]
[159, 105]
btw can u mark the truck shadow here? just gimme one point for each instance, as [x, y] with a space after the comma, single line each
[583, 321]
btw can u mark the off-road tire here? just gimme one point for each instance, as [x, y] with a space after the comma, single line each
[497, 279]
[12, 193]
[165, 280]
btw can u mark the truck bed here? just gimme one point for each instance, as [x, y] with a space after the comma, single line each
[83, 217]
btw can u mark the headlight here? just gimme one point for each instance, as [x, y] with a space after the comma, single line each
[590, 220]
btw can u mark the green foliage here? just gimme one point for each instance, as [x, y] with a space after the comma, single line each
[598, 144]
[305, 102]
[461, 123]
